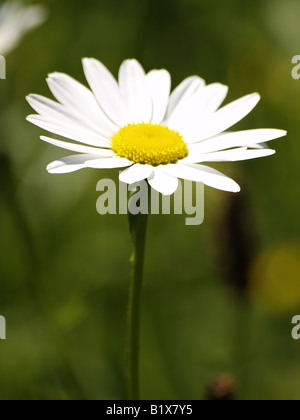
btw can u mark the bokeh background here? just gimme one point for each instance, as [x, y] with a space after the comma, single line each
[218, 298]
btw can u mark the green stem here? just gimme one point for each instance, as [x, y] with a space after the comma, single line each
[138, 227]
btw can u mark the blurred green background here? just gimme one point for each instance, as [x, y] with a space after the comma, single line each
[218, 298]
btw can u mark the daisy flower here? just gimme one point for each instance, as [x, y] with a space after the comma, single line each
[15, 21]
[138, 124]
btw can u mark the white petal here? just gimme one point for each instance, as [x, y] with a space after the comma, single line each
[213, 97]
[248, 138]
[136, 173]
[61, 115]
[69, 130]
[76, 96]
[49, 108]
[69, 164]
[106, 91]
[182, 93]
[109, 163]
[204, 174]
[79, 147]
[258, 146]
[162, 182]
[159, 87]
[203, 102]
[233, 155]
[132, 82]
[223, 119]
[16, 20]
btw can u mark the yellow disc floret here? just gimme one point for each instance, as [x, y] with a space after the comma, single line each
[149, 144]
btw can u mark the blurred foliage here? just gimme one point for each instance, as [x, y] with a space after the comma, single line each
[64, 269]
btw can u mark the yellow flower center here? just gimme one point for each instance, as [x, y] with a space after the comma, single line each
[149, 144]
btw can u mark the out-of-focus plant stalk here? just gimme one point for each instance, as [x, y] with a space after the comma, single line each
[138, 228]
[237, 245]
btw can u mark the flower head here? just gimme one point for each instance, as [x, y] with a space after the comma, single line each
[136, 123]
[15, 21]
